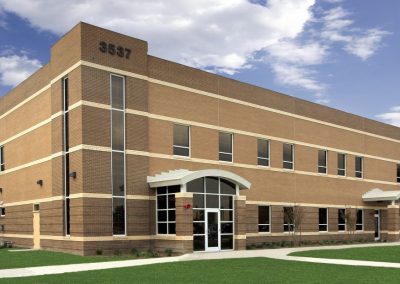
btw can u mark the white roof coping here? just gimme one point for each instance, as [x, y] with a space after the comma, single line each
[377, 194]
[183, 176]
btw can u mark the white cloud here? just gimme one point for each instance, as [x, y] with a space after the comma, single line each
[218, 35]
[366, 45]
[391, 117]
[15, 68]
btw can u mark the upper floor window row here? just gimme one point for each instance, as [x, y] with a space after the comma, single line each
[182, 147]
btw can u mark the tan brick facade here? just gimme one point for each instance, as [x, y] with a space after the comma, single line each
[159, 94]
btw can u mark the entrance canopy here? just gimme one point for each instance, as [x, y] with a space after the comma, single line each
[377, 194]
[180, 177]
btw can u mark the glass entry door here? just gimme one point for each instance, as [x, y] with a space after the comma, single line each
[377, 225]
[212, 230]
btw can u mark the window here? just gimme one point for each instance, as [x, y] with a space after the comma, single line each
[166, 219]
[225, 147]
[288, 219]
[359, 167]
[322, 161]
[288, 156]
[117, 98]
[181, 145]
[263, 152]
[398, 172]
[341, 164]
[264, 218]
[341, 219]
[66, 159]
[359, 221]
[323, 219]
[2, 164]
[2, 211]
[36, 207]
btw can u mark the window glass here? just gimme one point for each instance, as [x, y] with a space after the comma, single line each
[341, 164]
[225, 147]
[288, 218]
[117, 130]
[212, 184]
[263, 152]
[2, 211]
[322, 161]
[359, 167]
[323, 219]
[117, 92]
[198, 200]
[263, 218]
[166, 214]
[181, 140]
[359, 222]
[398, 172]
[196, 185]
[288, 156]
[341, 219]
[212, 201]
[2, 163]
[226, 202]
[118, 174]
[118, 216]
[227, 187]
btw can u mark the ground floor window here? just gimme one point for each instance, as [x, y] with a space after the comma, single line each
[166, 219]
[323, 219]
[288, 219]
[341, 219]
[213, 213]
[264, 219]
[359, 220]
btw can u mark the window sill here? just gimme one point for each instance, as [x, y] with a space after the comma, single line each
[178, 157]
[225, 162]
[264, 233]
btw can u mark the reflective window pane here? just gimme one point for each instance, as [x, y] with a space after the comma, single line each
[198, 215]
[198, 228]
[263, 215]
[322, 158]
[118, 216]
[263, 162]
[174, 188]
[162, 228]
[227, 187]
[288, 152]
[196, 185]
[211, 185]
[225, 157]
[162, 215]
[226, 242]
[226, 215]
[198, 243]
[117, 92]
[117, 130]
[171, 228]
[198, 200]
[162, 190]
[226, 228]
[225, 142]
[118, 173]
[212, 201]
[162, 202]
[262, 148]
[171, 215]
[179, 151]
[181, 135]
[171, 201]
[226, 202]
[263, 228]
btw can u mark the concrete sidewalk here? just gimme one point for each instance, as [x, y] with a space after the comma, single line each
[270, 253]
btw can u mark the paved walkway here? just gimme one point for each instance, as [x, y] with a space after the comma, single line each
[270, 253]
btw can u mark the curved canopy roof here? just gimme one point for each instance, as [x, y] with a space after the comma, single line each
[377, 194]
[180, 177]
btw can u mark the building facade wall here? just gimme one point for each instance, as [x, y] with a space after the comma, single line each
[159, 94]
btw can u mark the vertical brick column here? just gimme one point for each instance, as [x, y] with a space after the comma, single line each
[184, 220]
[393, 222]
[240, 222]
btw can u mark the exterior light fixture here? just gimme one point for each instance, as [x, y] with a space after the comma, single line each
[40, 182]
[72, 175]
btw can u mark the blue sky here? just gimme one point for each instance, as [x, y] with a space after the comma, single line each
[341, 53]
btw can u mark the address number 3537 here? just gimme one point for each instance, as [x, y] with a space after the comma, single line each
[114, 50]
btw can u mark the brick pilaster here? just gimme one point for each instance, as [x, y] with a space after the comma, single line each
[240, 222]
[393, 223]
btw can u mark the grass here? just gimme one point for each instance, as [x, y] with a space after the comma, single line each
[384, 254]
[9, 259]
[246, 270]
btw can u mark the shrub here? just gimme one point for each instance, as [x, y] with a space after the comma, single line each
[135, 252]
[168, 252]
[117, 252]
[99, 252]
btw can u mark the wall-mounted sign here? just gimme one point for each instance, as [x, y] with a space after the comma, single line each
[112, 49]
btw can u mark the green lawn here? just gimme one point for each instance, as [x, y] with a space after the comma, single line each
[385, 254]
[250, 270]
[9, 259]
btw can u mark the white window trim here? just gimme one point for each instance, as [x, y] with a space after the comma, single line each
[327, 221]
[345, 165]
[230, 162]
[362, 167]
[183, 147]
[269, 220]
[269, 153]
[345, 225]
[293, 155]
[326, 160]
